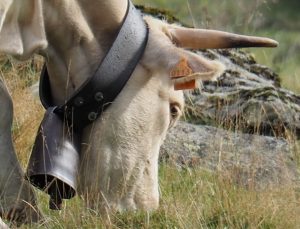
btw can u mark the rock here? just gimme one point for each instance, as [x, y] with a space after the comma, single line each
[247, 97]
[249, 160]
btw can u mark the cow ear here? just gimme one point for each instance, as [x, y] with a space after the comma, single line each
[22, 29]
[191, 67]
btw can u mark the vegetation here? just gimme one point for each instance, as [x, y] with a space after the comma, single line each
[190, 198]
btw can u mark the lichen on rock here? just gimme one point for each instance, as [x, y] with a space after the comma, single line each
[247, 97]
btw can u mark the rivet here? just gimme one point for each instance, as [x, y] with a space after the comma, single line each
[79, 101]
[92, 116]
[99, 96]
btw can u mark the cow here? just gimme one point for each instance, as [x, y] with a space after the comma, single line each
[119, 150]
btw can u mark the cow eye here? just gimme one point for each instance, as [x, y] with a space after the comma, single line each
[175, 113]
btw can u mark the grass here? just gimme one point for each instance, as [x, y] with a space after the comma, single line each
[191, 198]
[285, 59]
[18, 78]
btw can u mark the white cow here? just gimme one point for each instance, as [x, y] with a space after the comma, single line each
[119, 158]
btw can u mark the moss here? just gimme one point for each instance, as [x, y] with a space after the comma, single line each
[238, 57]
[159, 13]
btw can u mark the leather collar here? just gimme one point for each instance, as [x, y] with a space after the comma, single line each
[99, 91]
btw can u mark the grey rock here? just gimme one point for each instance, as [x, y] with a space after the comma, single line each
[249, 160]
[247, 97]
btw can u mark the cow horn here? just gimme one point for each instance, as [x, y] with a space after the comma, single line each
[213, 39]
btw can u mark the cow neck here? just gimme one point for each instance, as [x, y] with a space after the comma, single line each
[99, 91]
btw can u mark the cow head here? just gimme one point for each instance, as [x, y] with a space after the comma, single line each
[120, 160]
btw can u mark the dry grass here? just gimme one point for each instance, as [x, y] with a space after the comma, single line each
[28, 112]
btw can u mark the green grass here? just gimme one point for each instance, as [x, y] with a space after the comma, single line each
[285, 59]
[191, 198]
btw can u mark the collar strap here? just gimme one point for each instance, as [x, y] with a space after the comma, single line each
[94, 96]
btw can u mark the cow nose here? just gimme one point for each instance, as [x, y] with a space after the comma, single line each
[147, 198]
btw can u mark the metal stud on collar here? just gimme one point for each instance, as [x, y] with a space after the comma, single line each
[92, 116]
[79, 101]
[99, 96]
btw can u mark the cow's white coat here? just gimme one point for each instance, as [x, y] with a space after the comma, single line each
[120, 150]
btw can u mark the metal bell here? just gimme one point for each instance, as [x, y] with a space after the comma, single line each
[54, 160]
